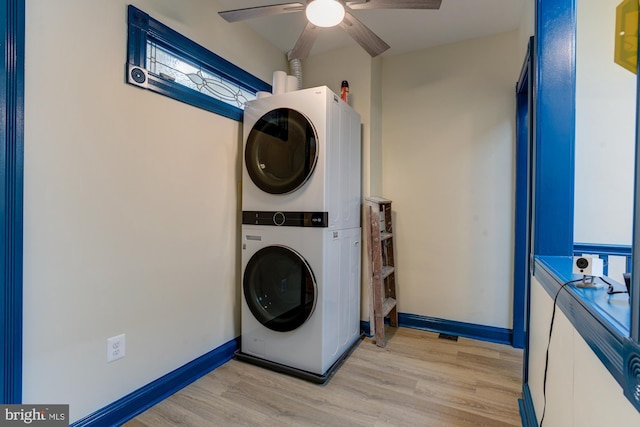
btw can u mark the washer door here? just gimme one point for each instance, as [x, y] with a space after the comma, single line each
[279, 288]
[281, 151]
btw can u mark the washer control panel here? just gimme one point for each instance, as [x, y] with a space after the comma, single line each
[289, 219]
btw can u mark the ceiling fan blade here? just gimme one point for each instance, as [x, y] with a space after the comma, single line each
[366, 38]
[393, 4]
[260, 11]
[305, 42]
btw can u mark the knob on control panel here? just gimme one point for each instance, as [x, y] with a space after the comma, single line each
[279, 218]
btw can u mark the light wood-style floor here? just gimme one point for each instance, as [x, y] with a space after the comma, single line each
[416, 380]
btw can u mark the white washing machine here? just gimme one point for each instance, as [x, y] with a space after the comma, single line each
[300, 297]
[302, 154]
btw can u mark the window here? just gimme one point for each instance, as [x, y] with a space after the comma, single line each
[610, 328]
[166, 62]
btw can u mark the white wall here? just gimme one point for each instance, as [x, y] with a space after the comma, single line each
[605, 130]
[580, 390]
[411, 91]
[447, 146]
[131, 204]
[527, 26]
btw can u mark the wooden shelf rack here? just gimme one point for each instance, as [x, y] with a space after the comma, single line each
[382, 286]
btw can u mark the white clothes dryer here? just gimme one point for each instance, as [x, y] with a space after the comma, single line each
[300, 298]
[302, 153]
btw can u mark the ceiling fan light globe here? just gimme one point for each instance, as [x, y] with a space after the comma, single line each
[325, 13]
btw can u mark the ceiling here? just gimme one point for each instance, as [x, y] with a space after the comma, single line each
[403, 30]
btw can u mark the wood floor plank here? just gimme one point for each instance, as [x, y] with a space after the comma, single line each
[416, 380]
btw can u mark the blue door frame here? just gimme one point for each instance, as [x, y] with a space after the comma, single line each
[12, 22]
[523, 201]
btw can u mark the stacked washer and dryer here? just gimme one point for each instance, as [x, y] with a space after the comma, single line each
[300, 232]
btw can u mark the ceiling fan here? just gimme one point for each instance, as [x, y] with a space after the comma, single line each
[329, 13]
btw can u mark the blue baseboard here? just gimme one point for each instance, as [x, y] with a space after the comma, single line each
[527, 411]
[126, 408]
[451, 327]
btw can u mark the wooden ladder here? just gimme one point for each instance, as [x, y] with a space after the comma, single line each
[382, 285]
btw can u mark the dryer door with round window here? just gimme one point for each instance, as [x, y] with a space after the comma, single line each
[281, 151]
[279, 288]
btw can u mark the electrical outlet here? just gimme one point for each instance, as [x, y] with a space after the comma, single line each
[115, 348]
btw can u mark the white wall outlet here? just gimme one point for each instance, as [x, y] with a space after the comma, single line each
[115, 348]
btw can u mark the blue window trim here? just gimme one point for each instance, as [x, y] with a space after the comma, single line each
[603, 321]
[617, 347]
[605, 327]
[602, 248]
[12, 22]
[635, 250]
[554, 128]
[142, 28]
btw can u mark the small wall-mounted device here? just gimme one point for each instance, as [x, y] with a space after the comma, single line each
[137, 75]
[588, 266]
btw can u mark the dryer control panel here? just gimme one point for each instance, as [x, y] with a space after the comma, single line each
[289, 219]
